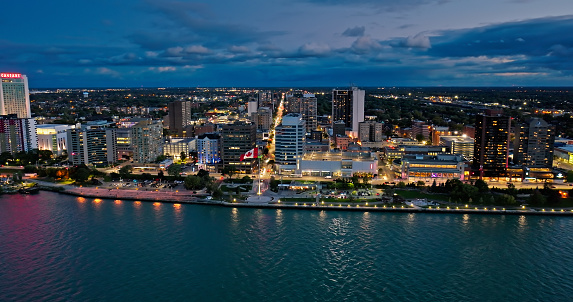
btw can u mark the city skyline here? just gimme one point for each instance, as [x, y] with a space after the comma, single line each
[154, 43]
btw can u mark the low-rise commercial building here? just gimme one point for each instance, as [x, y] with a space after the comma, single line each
[337, 164]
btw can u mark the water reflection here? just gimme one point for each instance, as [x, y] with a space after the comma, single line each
[466, 218]
[118, 208]
[279, 217]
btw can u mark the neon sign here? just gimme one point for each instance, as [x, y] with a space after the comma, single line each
[11, 75]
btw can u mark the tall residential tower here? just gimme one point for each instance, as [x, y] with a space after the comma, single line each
[491, 148]
[14, 95]
[348, 106]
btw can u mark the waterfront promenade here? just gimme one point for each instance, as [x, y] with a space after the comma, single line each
[185, 196]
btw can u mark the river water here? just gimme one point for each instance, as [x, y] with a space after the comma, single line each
[63, 248]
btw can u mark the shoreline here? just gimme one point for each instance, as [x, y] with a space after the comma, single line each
[179, 197]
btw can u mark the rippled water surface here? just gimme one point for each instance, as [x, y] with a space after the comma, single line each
[62, 248]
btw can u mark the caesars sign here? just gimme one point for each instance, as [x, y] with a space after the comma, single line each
[11, 75]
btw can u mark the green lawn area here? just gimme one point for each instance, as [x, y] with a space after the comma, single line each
[407, 194]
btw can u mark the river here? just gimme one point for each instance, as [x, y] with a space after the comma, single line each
[57, 247]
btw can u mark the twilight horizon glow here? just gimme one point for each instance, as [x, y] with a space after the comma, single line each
[151, 43]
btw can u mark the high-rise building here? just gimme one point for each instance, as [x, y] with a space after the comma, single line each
[370, 131]
[348, 106]
[533, 145]
[306, 105]
[252, 106]
[17, 134]
[14, 95]
[290, 141]
[147, 141]
[263, 118]
[491, 148]
[94, 145]
[179, 117]
[208, 151]
[236, 139]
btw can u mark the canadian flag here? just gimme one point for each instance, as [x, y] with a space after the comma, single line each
[253, 153]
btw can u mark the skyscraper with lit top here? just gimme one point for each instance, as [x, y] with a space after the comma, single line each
[14, 95]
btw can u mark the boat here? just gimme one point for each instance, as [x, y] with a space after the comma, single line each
[29, 190]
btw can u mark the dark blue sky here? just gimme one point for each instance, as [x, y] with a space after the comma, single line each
[151, 43]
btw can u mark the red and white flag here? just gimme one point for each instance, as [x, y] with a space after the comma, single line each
[253, 153]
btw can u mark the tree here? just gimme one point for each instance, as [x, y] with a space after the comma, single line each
[125, 170]
[481, 186]
[511, 190]
[80, 174]
[434, 187]
[174, 170]
[194, 182]
[420, 183]
[4, 157]
[505, 199]
[229, 170]
[203, 174]
[183, 156]
[401, 184]
[420, 138]
[537, 199]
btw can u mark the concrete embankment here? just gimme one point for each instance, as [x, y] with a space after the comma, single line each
[401, 210]
[185, 197]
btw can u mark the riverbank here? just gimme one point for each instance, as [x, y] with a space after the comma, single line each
[184, 197]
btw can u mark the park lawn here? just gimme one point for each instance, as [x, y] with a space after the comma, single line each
[411, 194]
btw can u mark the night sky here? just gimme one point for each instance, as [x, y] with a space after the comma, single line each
[282, 43]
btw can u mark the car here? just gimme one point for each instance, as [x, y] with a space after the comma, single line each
[328, 177]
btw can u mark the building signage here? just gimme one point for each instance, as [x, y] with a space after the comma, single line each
[11, 75]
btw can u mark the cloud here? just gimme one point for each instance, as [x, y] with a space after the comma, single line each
[197, 49]
[314, 49]
[385, 5]
[239, 49]
[418, 41]
[365, 45]
[357, 31]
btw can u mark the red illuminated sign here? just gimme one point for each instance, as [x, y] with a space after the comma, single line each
[11, 75]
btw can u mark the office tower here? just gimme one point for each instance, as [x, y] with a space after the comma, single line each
[348, 106]
[370, 131]
[53, 137]
[208, 151]
[93, 145]
[290, 141]
[533, 145]
[306, 105]
[179, 117]
[491, 148]
[236, 139]
[17, 134]
[252, 106]
[147, 141]
[263, 118]
[463, 145]
[14, 95]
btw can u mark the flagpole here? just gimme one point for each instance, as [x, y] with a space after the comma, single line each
[259, 193]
